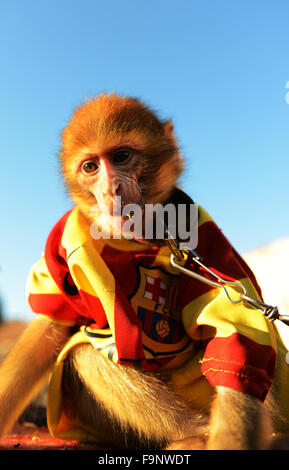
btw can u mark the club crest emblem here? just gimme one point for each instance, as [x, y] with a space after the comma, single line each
[155, 300]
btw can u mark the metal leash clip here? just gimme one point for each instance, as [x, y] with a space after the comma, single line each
[269, 311]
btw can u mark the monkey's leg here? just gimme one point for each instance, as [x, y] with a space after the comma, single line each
[133, 409]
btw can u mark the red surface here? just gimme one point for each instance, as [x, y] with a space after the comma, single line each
[27, 437]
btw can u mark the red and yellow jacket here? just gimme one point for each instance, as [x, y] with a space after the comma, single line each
[139, 311]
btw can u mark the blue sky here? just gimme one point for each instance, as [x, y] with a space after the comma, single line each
[218, 68]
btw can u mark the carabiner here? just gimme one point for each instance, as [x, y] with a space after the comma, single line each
[270, 312]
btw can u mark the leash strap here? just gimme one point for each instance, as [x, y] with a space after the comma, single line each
[177, 256]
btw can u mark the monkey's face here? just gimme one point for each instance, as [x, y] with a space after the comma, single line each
[120, 150]
[109, 172]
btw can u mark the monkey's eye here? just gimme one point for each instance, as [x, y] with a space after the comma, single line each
[89, 167]
[121, 156]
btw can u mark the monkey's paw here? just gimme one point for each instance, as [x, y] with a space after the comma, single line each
[280, 442]
[190, 443]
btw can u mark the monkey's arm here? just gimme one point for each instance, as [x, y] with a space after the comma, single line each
[25, 370]
[238, 421]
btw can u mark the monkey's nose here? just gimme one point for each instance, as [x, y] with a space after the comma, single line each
[115, 188]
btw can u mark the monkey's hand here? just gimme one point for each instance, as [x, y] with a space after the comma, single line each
[190, 443]
[25, 370]
[280, 442]
[238, 422]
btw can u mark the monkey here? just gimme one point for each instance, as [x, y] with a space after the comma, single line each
[117, 384]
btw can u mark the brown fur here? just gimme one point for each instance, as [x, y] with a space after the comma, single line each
[113, 121]
[25, 370]
[132, 409]
[238, 421]
[150, 414]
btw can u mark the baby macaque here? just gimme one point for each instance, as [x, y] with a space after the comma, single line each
[138, 355]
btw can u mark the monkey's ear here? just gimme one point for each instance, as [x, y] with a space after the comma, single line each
[169, 132]
[169, 129]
